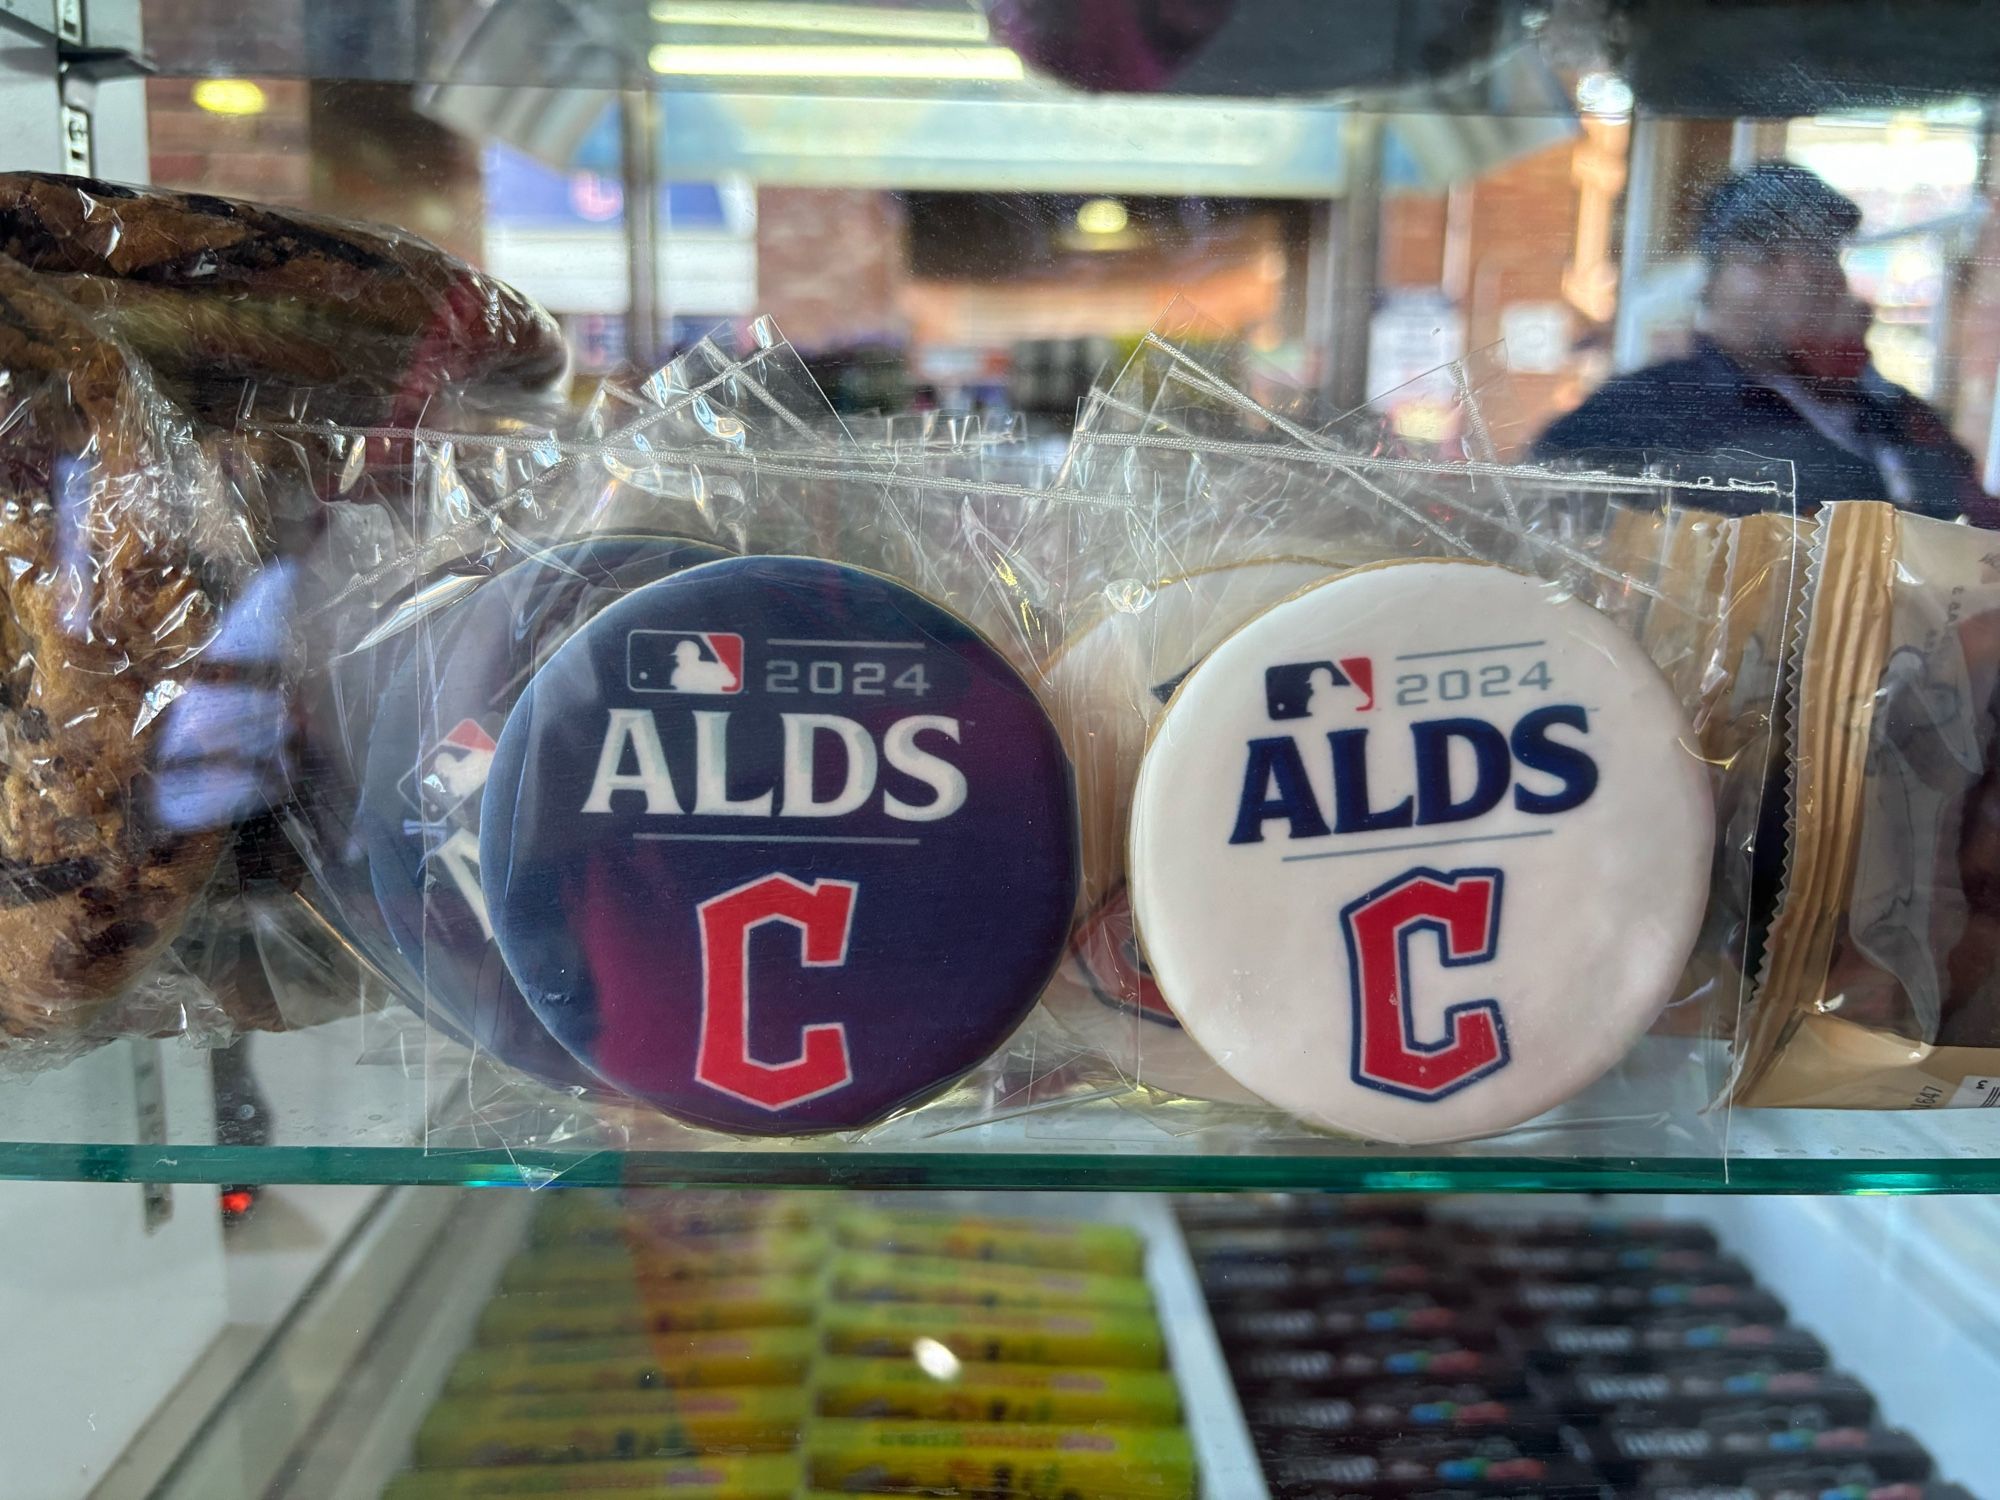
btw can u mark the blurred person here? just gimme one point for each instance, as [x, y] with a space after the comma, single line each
[1780, 367]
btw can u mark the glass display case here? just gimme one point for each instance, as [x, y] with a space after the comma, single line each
[681, 601]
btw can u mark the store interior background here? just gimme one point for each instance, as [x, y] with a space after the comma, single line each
[1557, 233]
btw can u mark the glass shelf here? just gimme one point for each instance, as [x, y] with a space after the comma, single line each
[334, 1120]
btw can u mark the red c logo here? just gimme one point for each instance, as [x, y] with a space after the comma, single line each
[1463, 909]
[824, 914]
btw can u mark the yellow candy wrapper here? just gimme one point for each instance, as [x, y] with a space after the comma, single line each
[722, 1255]
[758, 1477]
[1111, 1249]
[865, 1277]
[1030, 1462]
[631, 1365]
[608, 1312]
[458, 1435]
[779, 1403]
[904, 1390]
[1126, 1340]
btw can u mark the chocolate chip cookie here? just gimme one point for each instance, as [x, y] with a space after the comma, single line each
[102, 616]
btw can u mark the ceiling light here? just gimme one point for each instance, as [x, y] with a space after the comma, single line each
[831, 20]
[230, 96]
[989, 64]
[1102, 216]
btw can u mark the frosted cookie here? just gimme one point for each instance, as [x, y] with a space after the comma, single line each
[1420, 853]
[1106, 688]
[779, 845]
[430, 745]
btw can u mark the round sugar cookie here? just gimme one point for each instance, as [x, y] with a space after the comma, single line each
[1106, 688]
[1437, 908]
[779, 846]
[430, 747]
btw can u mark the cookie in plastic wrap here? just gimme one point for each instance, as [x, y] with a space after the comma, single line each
[119, 548]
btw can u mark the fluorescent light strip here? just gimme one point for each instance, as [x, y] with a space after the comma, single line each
[830, 20]
[994, 64]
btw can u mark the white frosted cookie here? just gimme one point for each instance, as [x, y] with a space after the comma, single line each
[1105, 690]
[1420, 852]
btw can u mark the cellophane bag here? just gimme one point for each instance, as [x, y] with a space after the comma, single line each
[956, 513]
[1877, 988]
[1235, 504]
[429, 519]
[151, 325]
[128, 558]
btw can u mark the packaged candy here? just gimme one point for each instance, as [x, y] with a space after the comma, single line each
[752, 1477]
[1031, 1462]
[541, 1430]
[1126, 1340]
[985, 1392]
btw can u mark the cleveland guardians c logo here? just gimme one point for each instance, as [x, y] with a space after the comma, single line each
[1463, 909]
[823, 912]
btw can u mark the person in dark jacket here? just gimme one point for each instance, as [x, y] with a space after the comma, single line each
[1780, 368]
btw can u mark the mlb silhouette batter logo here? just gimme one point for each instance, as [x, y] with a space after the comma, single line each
[1298, 689]
[684, 661]
[450, 773]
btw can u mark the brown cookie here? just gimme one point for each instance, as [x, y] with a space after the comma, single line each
[101, 618]
[220, 295]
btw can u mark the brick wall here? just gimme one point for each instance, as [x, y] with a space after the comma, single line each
[1523, 232]
[831, 264]
[1519, 222]
[1233, 280]
[264, 156]
[1413, 236]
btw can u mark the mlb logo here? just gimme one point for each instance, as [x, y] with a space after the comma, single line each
[450, 773]
[1301, 689]
[683, 661]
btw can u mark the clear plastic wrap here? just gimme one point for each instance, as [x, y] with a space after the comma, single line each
[960, 514]
[389, 586]
[126, 557]
[952, 514]
[1235, 506]
[223, 298]
[441, 622]
[1877, 989]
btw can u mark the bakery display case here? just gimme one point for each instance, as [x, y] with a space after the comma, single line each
[1062, 708]
[1091, 341]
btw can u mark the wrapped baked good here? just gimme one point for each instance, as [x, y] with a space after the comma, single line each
[1877, 986]
[180, 364]
[225, 298]
[121, 549]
